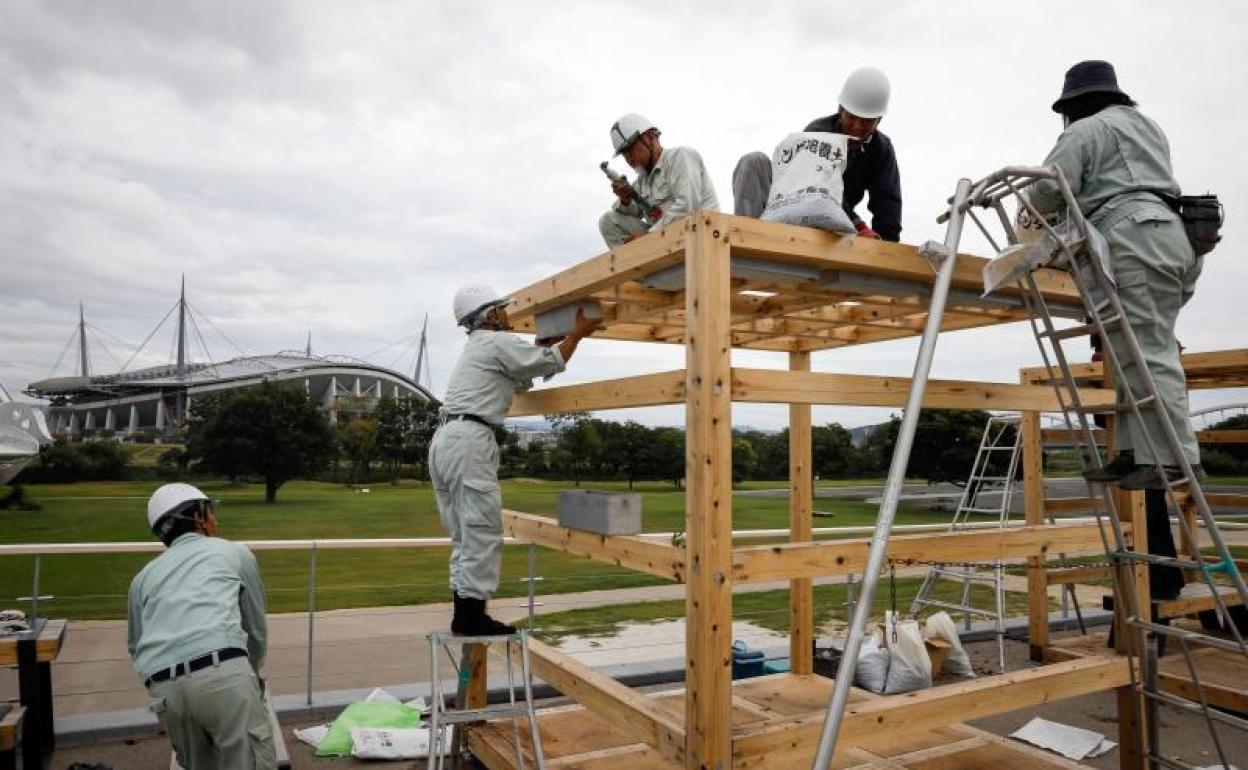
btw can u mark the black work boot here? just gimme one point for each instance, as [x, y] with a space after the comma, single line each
[1114, 470]
[471, 620]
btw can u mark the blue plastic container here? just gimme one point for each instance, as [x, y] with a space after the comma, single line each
[746, 662]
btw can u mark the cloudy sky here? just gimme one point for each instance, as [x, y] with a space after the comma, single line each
[341, 168]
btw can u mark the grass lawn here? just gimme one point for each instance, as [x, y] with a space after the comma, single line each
[94, 586]
[768, 609]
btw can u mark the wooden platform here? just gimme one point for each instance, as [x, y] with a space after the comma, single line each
[1196, 597]
[575, 737]
[1223, 674]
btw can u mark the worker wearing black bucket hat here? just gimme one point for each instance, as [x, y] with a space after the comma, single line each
[1117, 163]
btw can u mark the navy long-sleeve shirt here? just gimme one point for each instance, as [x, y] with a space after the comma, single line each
[871, 171]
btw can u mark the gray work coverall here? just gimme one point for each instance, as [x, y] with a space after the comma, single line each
[463, 457]
[203, 595]
[678, 184]
[1118, 164]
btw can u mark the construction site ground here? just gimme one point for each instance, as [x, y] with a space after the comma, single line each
[1186, 736]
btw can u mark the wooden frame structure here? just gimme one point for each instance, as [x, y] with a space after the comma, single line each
[749, 284]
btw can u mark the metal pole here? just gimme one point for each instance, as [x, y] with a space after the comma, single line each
[34, 591]
[532, 573]
[311, 613]
[896, 475]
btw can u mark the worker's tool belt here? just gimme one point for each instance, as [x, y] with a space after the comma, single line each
[470, 418]
[1202, 219]
[195, 664]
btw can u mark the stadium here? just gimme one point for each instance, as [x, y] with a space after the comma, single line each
[154, 402]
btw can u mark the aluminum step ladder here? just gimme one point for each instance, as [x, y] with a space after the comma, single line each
[1077, 249]
[998, 452]
[441, 717]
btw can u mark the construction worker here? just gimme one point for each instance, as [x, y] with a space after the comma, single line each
[463, 456]
[197, 637]
[870, 170]
[1117, 163]
[673, 181]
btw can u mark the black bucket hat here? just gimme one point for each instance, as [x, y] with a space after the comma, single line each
[1087, 77]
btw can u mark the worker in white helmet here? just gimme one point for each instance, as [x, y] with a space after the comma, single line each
[463, 456]
[870, 171]
[197, 637]
[672, 181]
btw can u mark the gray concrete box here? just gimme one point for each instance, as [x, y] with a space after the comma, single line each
[604, 513]
[560, 321]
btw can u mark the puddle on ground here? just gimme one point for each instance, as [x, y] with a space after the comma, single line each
[665, 639]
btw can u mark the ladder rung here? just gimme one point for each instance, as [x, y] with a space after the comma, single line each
[979, 510]
[952, 606]
[990, 478]
[964, 577]
[482, 714]
[1119, 408]
[1082, 330]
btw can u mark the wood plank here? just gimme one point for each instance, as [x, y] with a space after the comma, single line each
[786, 561]
[708, 498]
[10, 725]
[1073, 504]
[629, 711]
[642, 390]
[636, 553]
[1065, 575]
[1210, 369]
[1062, 436]
[811, 247]
[784, 387]
[627, 262]
[47, 646]
[1031, 442]
[801, 505]
[794, 740]
[1222, 436]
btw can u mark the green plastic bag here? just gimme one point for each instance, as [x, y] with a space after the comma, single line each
[337, 741]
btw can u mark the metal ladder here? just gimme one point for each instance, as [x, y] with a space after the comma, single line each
[1075, 251]
[440, 717]
[1000, 435]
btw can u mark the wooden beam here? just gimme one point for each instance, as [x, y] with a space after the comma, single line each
[642, 390]
[1062, 436]
[627, 710]
[818, 248]
[801, 505]
[1064, 575]
[1030, 440]
[1073, 504]
[708, 498]
[628, 262]
[786, 561]
[792, 741]
[1222, 436]
[636, 553]
[776, 386]
[1212, 369]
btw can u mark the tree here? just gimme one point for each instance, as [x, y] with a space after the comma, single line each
[271, 431]
[669, 455]
[578, 443]
[945, 443]
[744, 459]
[629, 447]
[834, 453]
[405, 426]
[358, 439]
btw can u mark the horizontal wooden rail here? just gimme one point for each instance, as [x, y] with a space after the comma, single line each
[643, 555]
[786, 561]
[792, 742]
[642, 390]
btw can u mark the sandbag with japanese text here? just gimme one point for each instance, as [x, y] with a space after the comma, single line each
[806, 182]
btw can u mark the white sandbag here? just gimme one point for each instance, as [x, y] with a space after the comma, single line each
[941, 626]
[393, 742]
[909, 667]
[871, 673]
[806, 183]
[312, 735]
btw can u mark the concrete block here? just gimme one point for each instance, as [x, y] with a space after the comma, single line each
[604, 513]
[560, 321]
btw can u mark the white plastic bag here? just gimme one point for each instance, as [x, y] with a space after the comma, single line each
[940, 626]
[393, 742]
[909, 667]
[871, 673]
[806, 183]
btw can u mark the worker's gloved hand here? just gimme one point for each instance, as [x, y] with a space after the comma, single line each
[866, 232]
[585, 326]
[623, 192]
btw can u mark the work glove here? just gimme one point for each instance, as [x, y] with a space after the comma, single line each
[866, 232]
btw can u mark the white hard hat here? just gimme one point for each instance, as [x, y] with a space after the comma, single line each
[865, 93]
[627, 129]
[475, 298]
[168, 499]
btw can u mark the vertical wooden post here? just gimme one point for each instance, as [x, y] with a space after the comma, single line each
[801, 503]
[1130, 752]
[1133, 726]
[1137, 513]
[708, 497]
[475, 657]
[1033, 510]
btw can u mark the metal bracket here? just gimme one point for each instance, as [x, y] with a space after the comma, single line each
[935, 253]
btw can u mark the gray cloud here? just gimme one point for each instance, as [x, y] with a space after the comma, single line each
[342, 167]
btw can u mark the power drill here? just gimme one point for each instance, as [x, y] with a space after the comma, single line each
[652, 212]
